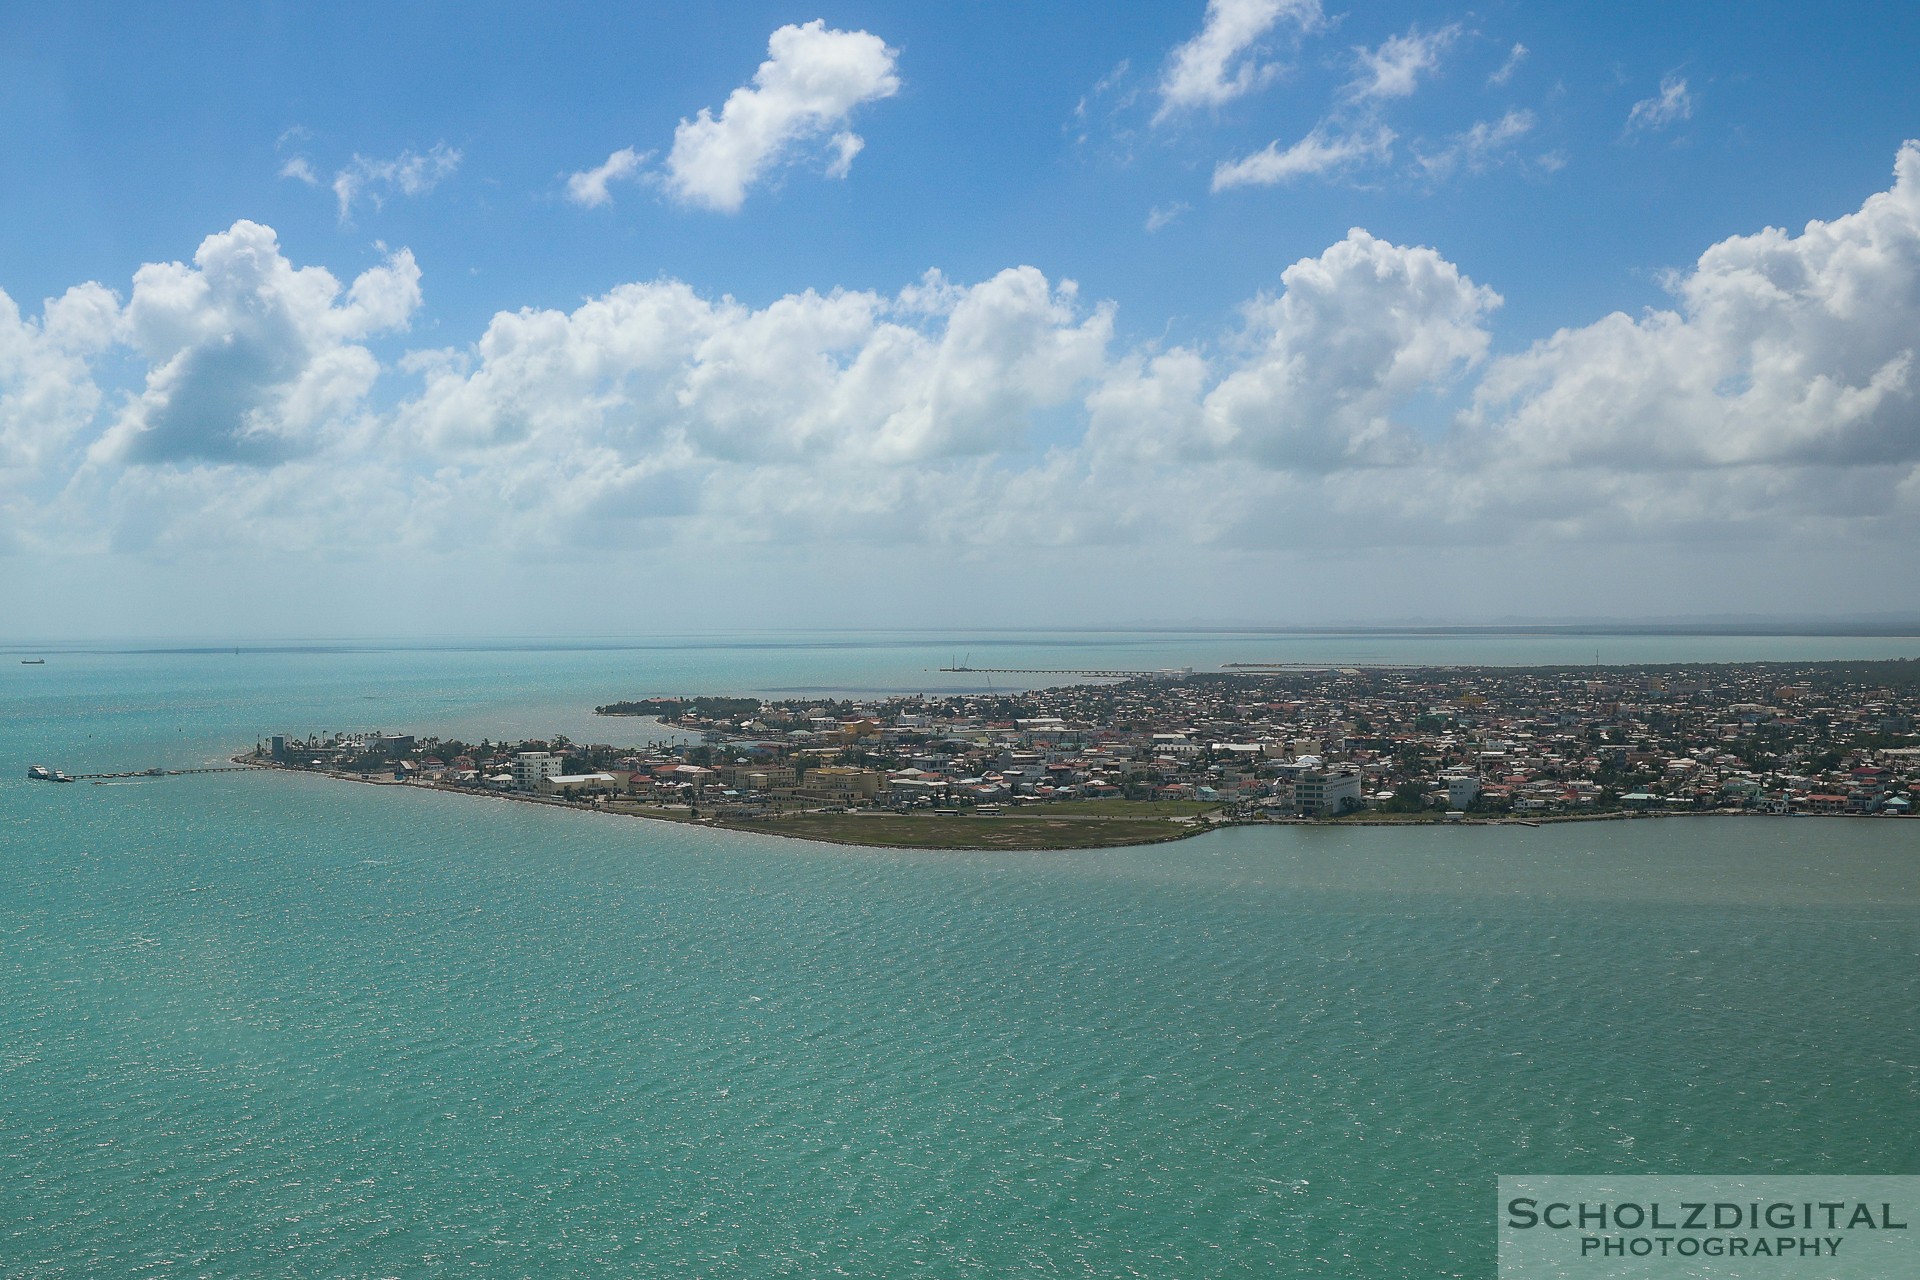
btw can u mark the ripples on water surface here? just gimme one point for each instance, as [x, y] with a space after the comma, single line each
[256, 1025]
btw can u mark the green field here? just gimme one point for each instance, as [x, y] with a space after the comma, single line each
[1024, 830]
[1116, 808]
[1071, 824]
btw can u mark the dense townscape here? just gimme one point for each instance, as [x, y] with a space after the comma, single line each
[1354, 743]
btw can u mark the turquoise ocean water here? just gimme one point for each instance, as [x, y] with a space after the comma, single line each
[256, 1025]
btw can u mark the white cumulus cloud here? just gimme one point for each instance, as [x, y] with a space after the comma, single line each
[411, 173]
[655, 369]
[811, 82]
[1322, 151]
[1504, 72]
[1223, 61]
[1393, 70]
[588, 188]
[251, 359]
[47, 391]
[1783, 351]
[1354, 334]
[1164, 215]
[1673, 103]
[1479, 146]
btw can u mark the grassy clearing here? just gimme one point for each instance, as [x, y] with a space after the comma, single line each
[1116, 808]
[1075, 824]
[1027, 830]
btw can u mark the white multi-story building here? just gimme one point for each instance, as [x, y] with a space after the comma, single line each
[1319, 792]
[1461, 789]
[531, 768]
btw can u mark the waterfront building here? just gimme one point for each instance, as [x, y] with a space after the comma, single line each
[579, 783]
[1322, 792]
[530, 768]
[833, 784]
[757, 777]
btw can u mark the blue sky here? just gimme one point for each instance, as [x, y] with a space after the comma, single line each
[1255, 300]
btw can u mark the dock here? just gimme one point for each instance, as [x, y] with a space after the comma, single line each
[157, 773]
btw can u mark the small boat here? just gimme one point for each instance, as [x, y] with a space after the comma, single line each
[39, 773]
[60, 777]
[33, 662]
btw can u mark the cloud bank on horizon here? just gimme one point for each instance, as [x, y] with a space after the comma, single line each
[1362, 397]
[1781, 377]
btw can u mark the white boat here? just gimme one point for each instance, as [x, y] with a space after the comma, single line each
[40, 773]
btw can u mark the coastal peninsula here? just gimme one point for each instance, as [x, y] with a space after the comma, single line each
[1153, 758]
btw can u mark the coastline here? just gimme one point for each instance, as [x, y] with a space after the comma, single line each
[1176, 829]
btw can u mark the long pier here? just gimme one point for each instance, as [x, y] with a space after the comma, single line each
[157, 773]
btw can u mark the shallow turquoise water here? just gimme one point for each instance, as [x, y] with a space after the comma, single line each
[268, 1025]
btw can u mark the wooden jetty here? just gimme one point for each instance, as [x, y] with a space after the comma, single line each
[157, 773]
